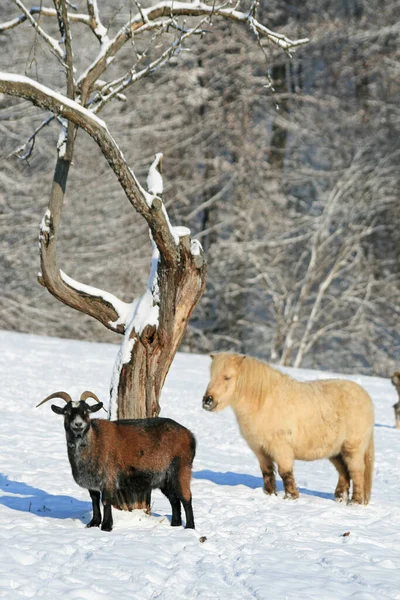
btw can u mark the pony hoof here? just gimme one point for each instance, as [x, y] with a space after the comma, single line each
[290, 496]
[341, 499]
[270, 492]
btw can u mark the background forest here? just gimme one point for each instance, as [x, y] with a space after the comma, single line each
[294, 194]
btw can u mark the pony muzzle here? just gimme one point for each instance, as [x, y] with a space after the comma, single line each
[209, 403]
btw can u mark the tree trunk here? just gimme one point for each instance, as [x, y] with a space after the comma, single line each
[145, 358]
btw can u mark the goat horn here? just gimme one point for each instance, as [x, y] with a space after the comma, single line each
[87, 394]
[62, 395]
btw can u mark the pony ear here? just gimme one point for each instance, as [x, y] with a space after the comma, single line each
[239, 359]
[212, 356]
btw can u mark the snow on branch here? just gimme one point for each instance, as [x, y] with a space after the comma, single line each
[196, 248]
[41, 10]
[154, 212]
[105, 307]
[155, 186]
[154, 179]
[115, 87]
[95, 23]
[147, 17]
[51, 42]
[48, 99]
[58, 104]
[123, 309]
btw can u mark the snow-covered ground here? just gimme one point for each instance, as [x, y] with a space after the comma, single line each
[256, 546]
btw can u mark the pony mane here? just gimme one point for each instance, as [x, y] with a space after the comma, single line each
[257, 380]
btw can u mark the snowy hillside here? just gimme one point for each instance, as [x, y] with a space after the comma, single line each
[256, 546]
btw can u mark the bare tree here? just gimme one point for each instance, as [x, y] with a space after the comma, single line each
[153, 324]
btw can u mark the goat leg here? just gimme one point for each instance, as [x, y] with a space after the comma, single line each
[96, 519]
[107, 524]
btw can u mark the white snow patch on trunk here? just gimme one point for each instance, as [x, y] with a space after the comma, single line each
[176, 232]
[181, 231]
[196, 248]
[45, 223]
[144, 311]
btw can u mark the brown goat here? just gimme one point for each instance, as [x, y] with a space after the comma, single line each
[115, 459]
[396, 383]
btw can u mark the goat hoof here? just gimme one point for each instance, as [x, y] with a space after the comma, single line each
[176, 523]
[93, 523]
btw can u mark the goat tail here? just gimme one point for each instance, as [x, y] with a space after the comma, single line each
[368, 468]
[193, 444]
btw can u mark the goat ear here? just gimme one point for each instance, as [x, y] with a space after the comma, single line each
[57, 409]
[396, 378]
[212, 356]
[96, 407]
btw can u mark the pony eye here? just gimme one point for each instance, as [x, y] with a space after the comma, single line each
[227, 378]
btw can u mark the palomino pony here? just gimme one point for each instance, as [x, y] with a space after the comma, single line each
[283, 419]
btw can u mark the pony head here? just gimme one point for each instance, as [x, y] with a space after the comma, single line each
[223, 379]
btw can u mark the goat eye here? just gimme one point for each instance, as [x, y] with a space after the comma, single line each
[227, 378]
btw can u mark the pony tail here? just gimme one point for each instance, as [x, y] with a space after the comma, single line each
[369, 469]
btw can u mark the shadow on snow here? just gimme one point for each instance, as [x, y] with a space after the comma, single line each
[23, 497]
[26, 498]
[250, 481]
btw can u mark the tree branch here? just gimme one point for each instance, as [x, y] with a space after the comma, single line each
[95, 23]
[151, 208]
[118, 86]
[31, 140]
[46, 12]
[172, 9]
[50, 41]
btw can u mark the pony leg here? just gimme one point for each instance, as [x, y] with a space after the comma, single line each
[355, 464]
[343, 486]
[285, 470]
[267, 470]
